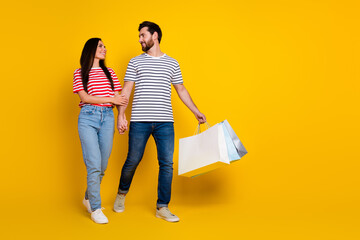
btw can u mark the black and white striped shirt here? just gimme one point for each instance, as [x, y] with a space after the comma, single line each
[153, 77]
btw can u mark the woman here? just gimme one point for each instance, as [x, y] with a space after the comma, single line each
[98, 88]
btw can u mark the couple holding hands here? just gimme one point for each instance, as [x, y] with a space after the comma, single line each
[98, 87]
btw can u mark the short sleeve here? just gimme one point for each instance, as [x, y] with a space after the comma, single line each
[77, 82]
[177, 76]
[117, 85]
[130, 74]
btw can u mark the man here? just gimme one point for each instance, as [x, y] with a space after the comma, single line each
[152, 72]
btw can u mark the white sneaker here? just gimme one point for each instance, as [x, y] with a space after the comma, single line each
[87, 205]
[99, 217]
[164, 213]
[119, 204]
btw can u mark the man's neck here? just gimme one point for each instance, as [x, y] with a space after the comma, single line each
[155, 51]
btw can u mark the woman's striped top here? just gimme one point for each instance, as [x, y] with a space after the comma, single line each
[98, 85]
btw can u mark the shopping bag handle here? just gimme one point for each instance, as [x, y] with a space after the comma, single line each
[198, 129]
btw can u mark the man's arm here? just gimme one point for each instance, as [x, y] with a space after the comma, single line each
[121, 121]
[186, 99]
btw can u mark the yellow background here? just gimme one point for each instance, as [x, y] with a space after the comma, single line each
[285, 74]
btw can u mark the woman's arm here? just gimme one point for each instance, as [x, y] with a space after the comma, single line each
[117, 99]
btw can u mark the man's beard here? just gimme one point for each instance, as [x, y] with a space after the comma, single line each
[148, 45]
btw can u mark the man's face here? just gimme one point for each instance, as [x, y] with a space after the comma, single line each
[146, 39]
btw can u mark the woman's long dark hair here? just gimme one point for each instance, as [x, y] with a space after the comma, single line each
[87, 60]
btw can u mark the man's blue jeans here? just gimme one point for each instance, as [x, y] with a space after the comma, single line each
[163, 133]
[96, 131]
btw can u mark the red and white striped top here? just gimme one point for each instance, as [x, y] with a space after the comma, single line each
[98, 85]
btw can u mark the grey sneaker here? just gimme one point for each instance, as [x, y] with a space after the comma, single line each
[164, 213]
[119, 204]
[86, 203]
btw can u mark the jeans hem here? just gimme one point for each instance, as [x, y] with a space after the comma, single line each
[93, 210]
[123, 191]
[161, 205]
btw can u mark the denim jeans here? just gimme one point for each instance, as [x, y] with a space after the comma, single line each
[163, 133]
[96, 131]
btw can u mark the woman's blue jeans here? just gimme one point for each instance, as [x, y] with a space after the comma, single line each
[96, 131]
[139, 133]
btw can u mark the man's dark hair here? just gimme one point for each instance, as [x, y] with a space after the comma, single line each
[152, 27]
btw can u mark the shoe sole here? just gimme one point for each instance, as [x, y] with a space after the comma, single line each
[119, 211]
[168, 220]
[100, 222]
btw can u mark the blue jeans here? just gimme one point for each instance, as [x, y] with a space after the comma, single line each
[96, 131]
[163, 133]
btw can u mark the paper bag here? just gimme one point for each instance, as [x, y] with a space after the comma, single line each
[203, 152]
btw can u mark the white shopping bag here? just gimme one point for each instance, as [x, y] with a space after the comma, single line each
[203, 152]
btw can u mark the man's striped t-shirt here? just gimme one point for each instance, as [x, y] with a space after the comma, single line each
[153, 77]
[98, 84]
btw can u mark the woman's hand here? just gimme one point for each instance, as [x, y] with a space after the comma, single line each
[120, 100]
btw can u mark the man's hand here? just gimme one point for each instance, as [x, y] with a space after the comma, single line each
[122, 124]
[200, 117]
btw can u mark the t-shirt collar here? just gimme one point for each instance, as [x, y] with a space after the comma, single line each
[155, 57]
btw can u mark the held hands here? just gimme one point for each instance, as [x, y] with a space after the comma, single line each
[123, 101]
[120, 100]
[122, 124]
[200, 117]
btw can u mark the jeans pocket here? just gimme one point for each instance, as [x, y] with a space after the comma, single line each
[87, 111]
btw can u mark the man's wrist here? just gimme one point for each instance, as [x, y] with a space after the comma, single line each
[196, 112]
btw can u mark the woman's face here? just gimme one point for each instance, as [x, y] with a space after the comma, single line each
[100, 51]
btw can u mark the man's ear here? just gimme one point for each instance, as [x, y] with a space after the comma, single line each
[155, 36]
